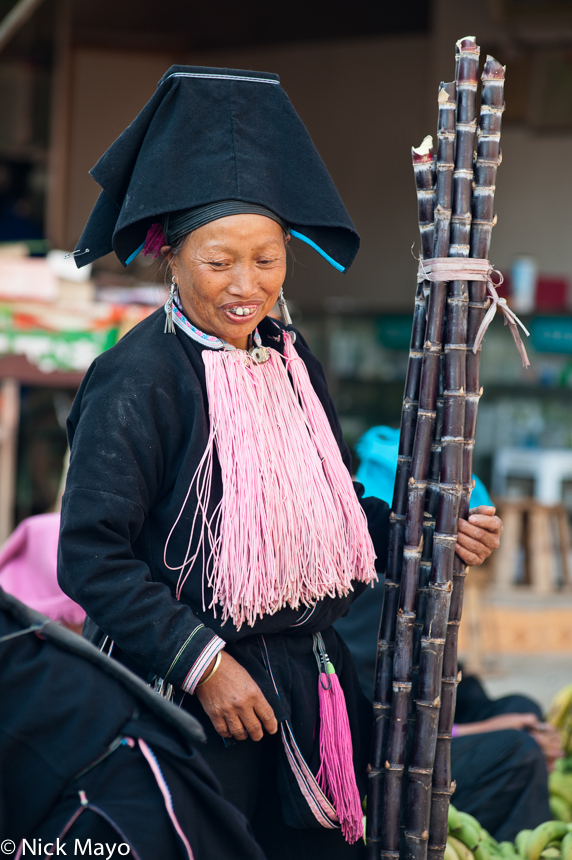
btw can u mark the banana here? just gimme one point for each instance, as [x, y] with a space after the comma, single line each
[461, 849]
[506, 849]
[470, 819]
[566, 846]
[559, 808]
[454, 819]
[486, 835]
[520, 841]
[550, 853]
[561, 704]
[490, 844]
[542, 835]
[482, 852]
[560, 784]
[469, 835]
[450, 853]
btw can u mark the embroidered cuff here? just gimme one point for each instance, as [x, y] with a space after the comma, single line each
[194, 650]
[200, 665]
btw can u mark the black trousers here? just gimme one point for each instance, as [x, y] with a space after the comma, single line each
[247, 773]
[501, 776]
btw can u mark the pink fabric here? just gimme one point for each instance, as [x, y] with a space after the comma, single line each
[336, 776]
[289, 529]
[28, 562]
[164, 789]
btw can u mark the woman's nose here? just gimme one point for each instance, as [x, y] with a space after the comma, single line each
[244, 281]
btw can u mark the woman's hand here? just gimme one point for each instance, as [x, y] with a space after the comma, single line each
[234, 702]
[499, 723]
[478, 536]
[548, 739]
[545, 735]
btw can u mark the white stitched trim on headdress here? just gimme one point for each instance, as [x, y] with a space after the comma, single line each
[222, 77]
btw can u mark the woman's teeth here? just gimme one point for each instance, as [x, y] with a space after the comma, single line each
[241, 312]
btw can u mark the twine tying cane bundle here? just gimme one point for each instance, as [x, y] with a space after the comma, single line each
[444, 269]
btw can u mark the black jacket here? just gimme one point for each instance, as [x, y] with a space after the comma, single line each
[138, 429]
[63, 708]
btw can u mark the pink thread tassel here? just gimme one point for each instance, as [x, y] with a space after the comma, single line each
[336, 776]
[289, 529]
[154, 241]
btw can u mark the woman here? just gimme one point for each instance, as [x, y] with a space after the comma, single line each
[209, 525]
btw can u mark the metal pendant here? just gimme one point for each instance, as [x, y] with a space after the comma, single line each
[259, 353]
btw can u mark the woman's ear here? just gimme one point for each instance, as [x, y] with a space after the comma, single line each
[170, 258]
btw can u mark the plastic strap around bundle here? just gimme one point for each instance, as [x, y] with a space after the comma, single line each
[444, 269]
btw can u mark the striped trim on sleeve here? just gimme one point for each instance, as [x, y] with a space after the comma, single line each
[198, 668]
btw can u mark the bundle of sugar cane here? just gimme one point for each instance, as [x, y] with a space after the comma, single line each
[483, 219]
[416, 673]
[435, 621]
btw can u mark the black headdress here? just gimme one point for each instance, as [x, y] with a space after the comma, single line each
[210, 135]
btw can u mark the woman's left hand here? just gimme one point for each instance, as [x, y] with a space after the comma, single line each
[479, 535]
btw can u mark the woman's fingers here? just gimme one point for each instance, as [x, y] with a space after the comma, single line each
[266, 715]
[485, 510]
[235, 703]
[257, 715]
[479, 536]
[237, 728]
[251, 726]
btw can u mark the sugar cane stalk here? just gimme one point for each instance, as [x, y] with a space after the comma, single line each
[414, 521]
[488, 159]
[432, 610]
[425, 184]
[450, 568]
[443, 196]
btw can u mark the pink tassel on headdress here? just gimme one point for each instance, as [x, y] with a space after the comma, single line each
[289, 528]
[154, 241]
[336, 776]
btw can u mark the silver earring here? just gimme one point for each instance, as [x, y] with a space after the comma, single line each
[284, 312]
[173, 293]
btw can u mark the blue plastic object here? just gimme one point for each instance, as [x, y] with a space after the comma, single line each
[377, 451]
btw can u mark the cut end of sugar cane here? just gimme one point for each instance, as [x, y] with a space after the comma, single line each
[493, 70]
[466, 43]
[443, 96]
[424, 152]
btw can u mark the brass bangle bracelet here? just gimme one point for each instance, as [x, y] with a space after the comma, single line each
[212, 671]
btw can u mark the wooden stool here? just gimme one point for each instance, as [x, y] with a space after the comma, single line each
[542, 534]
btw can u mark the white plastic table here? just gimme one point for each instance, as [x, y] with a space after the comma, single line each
[547, 466]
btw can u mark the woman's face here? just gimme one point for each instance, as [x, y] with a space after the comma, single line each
[229, 275]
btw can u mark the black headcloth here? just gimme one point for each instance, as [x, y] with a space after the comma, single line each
[210, 135]
[178, 224]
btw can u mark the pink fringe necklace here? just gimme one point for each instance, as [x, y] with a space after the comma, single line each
[289, 528]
